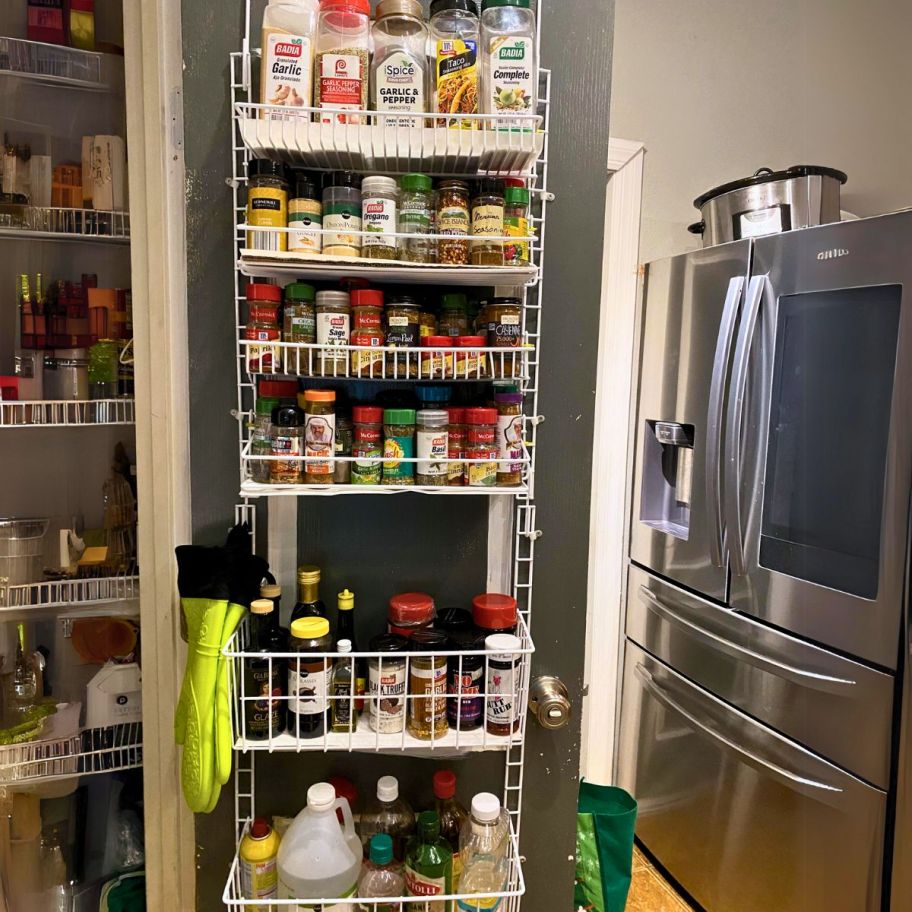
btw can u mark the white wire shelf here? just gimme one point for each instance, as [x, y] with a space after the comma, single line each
[51, 64]
[255, 489]
[66, 413]
[78, 594]
[88, 753]
[53, 223]
[507, 898]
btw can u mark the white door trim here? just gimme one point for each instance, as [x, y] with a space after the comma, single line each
[608, 509]
[154, 73]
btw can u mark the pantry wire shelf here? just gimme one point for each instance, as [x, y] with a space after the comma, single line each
[67, 413]
[56, 223]
[51, 64]
[71, 593]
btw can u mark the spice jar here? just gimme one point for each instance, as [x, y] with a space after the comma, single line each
[415, 206]
[427, 324]
[494, 612]
[453, 220]
[437, 360]
[333, 321]
[379, 198]
[465, 681]
[398, 445]
[503, 319]
[263, 326]
[319, 435]
[367, 332]
[403, 330]
[502, 697]
[309, 677]
[433, 395]
[386, 683]
[454, 320]
[516, 225]
[471, 364]
[67, 374]
[299, 322]
[341, 60]
[409, 612]
[261, 439]
[287, 443]
[267, 204]
[344, 442]
[366, 308]
[305, 216]
[427, 717]
[487, 223]
[342, 214]
[456, 446]
[399, 66]
[367, 444]
[454, 30]
[509, 438]
[432, 447]
[481, 444]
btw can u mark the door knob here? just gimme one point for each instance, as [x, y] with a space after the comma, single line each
[549, 702]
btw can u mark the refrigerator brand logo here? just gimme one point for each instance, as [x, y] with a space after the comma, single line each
[833, 254]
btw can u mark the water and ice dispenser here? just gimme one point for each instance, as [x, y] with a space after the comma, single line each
[667, 477]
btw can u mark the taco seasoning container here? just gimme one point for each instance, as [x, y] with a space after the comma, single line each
[410, 612]
[333, 322]
[494, 612]
[386, 683]
[415, 211]
[471, 364]
[487, 223]
[398, 83]
[481, 444]
[427, 717]
[305, 216]
[341, 62]
[454, 41]
[379, 198]
[431, 446]
[398, 445]
[502, 686]
[516, 225]
[309, 678]
[319, 435]
[262, 326]
[342, 214]
[367, 444]
[267, 204]
[456, 444]
[403, 330]
[509, 438]
[287, 443]
[437, 361]
[509, 77]
[344, 439]
[453, 221]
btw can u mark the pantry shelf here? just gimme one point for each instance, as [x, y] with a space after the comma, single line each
[51, 64]
[77, 595]
[30, 223]
[66, 413]
[254, 489]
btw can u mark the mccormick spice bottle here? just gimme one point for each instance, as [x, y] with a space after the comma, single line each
[481, 445]
[454, 40]
[263, 303]
[493, 612]
[367, 444]
[456, 440]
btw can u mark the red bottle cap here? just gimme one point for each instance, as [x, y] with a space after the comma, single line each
[444, 784]
[260, 828]
[367, 414]
[278, 389]
[457, 415]
[481, 416]
[259, 291]
[470, 341]
[437, 342]
[347, 6]
[494, 611]
[411, 608]
[366, 297]
[346, 789]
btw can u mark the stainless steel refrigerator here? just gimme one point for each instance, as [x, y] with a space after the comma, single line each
[764, 720]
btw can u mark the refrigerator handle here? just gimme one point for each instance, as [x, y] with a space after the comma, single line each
[733, 529]
[714, 419]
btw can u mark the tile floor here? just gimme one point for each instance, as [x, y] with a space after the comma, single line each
[649, 892]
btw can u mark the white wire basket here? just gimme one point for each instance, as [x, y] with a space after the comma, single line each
[75, 224]
[51, 63]
[72, 593]
[66, 413]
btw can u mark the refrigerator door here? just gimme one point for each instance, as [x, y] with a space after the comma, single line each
[818, 448]
[690, 310]
[741, 817]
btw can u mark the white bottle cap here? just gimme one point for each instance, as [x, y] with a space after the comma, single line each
[387, 788]
[486, 807]
[344, 646]
[321, 796]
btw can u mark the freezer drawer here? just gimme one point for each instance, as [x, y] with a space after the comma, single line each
[836, 707]
[744, 819]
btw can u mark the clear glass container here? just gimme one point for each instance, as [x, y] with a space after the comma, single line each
[342, 214]
[399, 71]
[333, 331]
[454, 319]
[287, 443]
[487, 223]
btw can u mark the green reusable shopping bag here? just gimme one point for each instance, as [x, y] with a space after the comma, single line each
[605, 820]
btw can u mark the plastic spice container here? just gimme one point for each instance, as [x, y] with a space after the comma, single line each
[427, 324]
[342, 214]
[379, 199]
[367, 358]
[386, 683]
[344, 440]
[262, 326]
[341, 61]
[509, 438]
[287, 443]
[516, 225]
[509, 77]
[454, 41]
[398, 445]
[299, 321]
[437, 361]
[410, 611]
[503, 317]
[367, 444]
[465, 681]
[399, 66]
[481, 444]
[502, 698]
[494, 612]
[309, 678]
[453, 220]
[487, 223]
[366, 308]
[333, 322]
[454, 320]
[431, 445]
[305, 216]
[261, 438]
[471, 365]
[456, 442]
[267, 204]
[415, 208]
[403, 330]
[319, 435]
[427, 716]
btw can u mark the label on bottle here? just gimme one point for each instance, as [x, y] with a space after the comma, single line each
[457, 80]
[259, 879]
[286, 891]
[378, 215]
[305, 218]
[287, 73]
[480, 902]
[418, 884]
[365, 471]
[342, 82]
[453, 220]
[513, 76]
[267, 207]
[301, 327]
[399, 89]
[428, 709]
[466, 709]
[387, 695]
[337, 225]
[403, 332]
[502, 697]
[263, 717]
[308, 685]
[509, 436]
[482, 474]
[395, 449]
[487, 221]
[516, 253]
[286, 445]
[332, 328]
[319, 440]
[432, 446]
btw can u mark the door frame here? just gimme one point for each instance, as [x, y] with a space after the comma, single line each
[610, 451]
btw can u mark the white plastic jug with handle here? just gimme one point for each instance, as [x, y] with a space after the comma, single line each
[318, 859]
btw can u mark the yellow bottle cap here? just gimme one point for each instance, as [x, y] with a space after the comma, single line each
[310, 628]
[262, 606]
[346, 600]
[308, 573]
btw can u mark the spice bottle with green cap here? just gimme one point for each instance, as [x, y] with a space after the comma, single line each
[379, 198]
[509, 75]
[342, 214]
[305, 215]
[299, 321]
[516, 225]
[415, 211]
[398, 446]
[454, 320]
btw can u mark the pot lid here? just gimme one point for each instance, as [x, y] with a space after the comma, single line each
[766, 176]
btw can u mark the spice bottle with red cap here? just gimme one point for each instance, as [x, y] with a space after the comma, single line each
[342, 60]
[482, 451]
[494, 612]
[410, 611]
[263, 303]
[367, 444]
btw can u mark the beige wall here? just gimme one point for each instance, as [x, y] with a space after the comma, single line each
[719, 88]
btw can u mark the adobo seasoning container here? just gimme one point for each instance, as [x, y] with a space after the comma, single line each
[409, 612]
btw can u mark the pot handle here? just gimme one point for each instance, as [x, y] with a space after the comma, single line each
[760, 171]
[697, 227]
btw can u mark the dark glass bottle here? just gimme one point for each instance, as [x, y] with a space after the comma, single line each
[345, 630]
[452, 815]
[309, 678]
[264, 718]
[308, 603]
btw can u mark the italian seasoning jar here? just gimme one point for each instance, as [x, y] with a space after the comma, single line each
[431, 445]
[342, 214]
[453, 221]
[415, 210]
[379, 200]
[427, 716]
[299, 324]
[488, 223]
[398, 445]
[367, 444]
[305, 216]
[267, 204]
[481, 444]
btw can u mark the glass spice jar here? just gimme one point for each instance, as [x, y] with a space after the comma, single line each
[427, 689]
[299, 324]
[456, 446]
[305, 215]
[319, 435]
[481, 444]
[502, 698]
[453, 221]
[516, 225]
[494, 612]
[437, 360]
[342, 60]
[379, 199]
[333, 330]
[403, 330]
[367, 444]
[503, 317]
[415, 204]
[454, 320]
[267, 204]
[344, 440]
[342, 214]
[427, 324]
[398, 446]
[263, 326]
[367, 332]
[261, 438]
[488, 223]
[509, 438]
[410, 612]
[431, 447]
[288, 444]
[471, 364]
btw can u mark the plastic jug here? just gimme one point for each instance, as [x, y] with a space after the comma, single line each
[318, 859]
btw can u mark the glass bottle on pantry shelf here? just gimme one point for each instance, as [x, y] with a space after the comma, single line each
[431, 446]
[509, 75]
[398, 446]
[305, 215]
[319, 435]
[261, 438]
[454, 29]
[345, 630]
[342, 214]
[494, 612]
[270, 590]
[399, 71]
[427, 688]
[379, 202]
[403, 330]
[503, 320]
[452, 815]
[381, 875]
[341, 60]
[344, 708]
[428, 866]
[286, 67]
[484, 843]
[387, 813]
[264, 678]
[415, 207]
[288, 444]
[488, 223]
[502, 703]
[516, 225]
[509, 438]
[262, 328]
[309, 679]
[299, 325]
[267, 204]
[27, 688]
[454, 221]
[309, 603]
